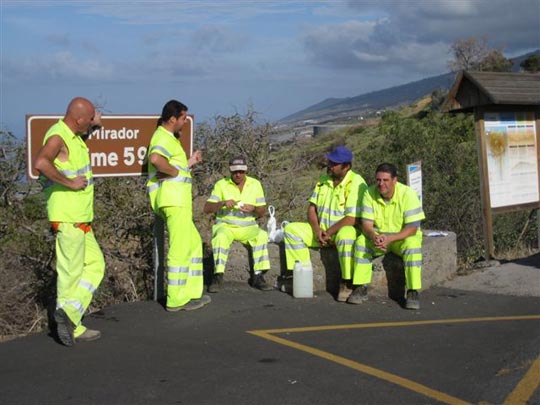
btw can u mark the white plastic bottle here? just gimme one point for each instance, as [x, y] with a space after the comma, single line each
[302, 280]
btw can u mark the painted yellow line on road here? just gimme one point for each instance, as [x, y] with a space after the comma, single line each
[524, 390]
[526, 387]
[397, 324]
[383, 375]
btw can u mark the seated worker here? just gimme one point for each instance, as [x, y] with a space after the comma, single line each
[332, 212]
[237, 201]
[391, 217]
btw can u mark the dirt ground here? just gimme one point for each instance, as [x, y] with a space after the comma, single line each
[518, 277]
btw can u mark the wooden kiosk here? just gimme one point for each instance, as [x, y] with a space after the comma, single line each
[506, 108]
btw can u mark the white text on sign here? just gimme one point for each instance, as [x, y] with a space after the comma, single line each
[103, 134]
[130, 157]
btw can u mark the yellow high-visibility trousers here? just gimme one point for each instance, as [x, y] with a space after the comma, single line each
[299, 236]
[223, 236]
[80, 266]
[184, 258]
[409, 249]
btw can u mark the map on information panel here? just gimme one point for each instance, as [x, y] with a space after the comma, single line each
[512, 158]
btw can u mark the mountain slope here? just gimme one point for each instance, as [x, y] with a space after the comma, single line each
[333, 109]
[375, 100]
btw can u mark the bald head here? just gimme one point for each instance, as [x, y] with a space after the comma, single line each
[79, 106]
[79, 115]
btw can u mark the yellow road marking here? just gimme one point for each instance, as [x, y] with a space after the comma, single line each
[392, 378]
[524, 389]
[396, 324]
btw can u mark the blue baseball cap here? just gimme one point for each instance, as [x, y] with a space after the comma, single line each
[340, 154]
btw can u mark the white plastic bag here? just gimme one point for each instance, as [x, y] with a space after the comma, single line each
[274, 234]
[271, 225]
[280, 233]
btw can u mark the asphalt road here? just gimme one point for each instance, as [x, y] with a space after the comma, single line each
[251, 347]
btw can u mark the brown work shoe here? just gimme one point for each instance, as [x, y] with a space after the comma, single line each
[216, 284]
[89, 335]
[345, 290]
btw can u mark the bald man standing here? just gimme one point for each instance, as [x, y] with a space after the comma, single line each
[64, 165]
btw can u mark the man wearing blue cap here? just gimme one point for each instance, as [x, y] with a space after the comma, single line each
[333, 209]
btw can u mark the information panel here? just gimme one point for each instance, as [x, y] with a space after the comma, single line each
[117, 149]
[512, 158]
[414, 178]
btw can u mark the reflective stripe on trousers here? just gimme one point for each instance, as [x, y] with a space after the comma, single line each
[409, 249]
[184, 258]
[299, 236]
[223, 236]
[80, 266]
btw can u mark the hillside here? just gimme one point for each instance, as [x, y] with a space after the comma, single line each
[343, 109]
[334, 108]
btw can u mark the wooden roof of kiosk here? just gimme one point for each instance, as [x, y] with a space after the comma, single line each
[482, 89]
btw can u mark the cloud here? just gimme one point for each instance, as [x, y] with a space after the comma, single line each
[187, 12]
[57, 66]
[217, 39]
[342, 45]
[416, 35]
[512, 24]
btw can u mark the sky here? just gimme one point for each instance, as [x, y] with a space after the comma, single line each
[223, 57]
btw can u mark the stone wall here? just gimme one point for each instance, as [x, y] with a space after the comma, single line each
[439, 264]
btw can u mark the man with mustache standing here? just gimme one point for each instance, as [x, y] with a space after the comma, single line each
[169, 190]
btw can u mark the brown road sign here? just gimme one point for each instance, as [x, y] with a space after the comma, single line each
[117, 149]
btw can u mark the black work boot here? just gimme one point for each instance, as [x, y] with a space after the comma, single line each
[413, 301]
[64, 327]
[359, 295]
[260, 283]
[216, 284]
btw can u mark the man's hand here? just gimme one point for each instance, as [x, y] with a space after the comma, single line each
[96, 122]
[247, 208]
[382, 242]
[197, 157]
[322, 237]
[78, 183]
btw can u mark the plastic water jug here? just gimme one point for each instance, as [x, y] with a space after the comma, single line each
[302, 280]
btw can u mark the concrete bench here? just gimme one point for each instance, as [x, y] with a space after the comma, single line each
[439, 264]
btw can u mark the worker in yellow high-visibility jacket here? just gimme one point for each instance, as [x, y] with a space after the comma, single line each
[169, 189]
[237, 201]
[391, 217]
[69, 187]
[334, 207]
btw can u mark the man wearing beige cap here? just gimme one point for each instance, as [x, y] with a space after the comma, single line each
[237, 201]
